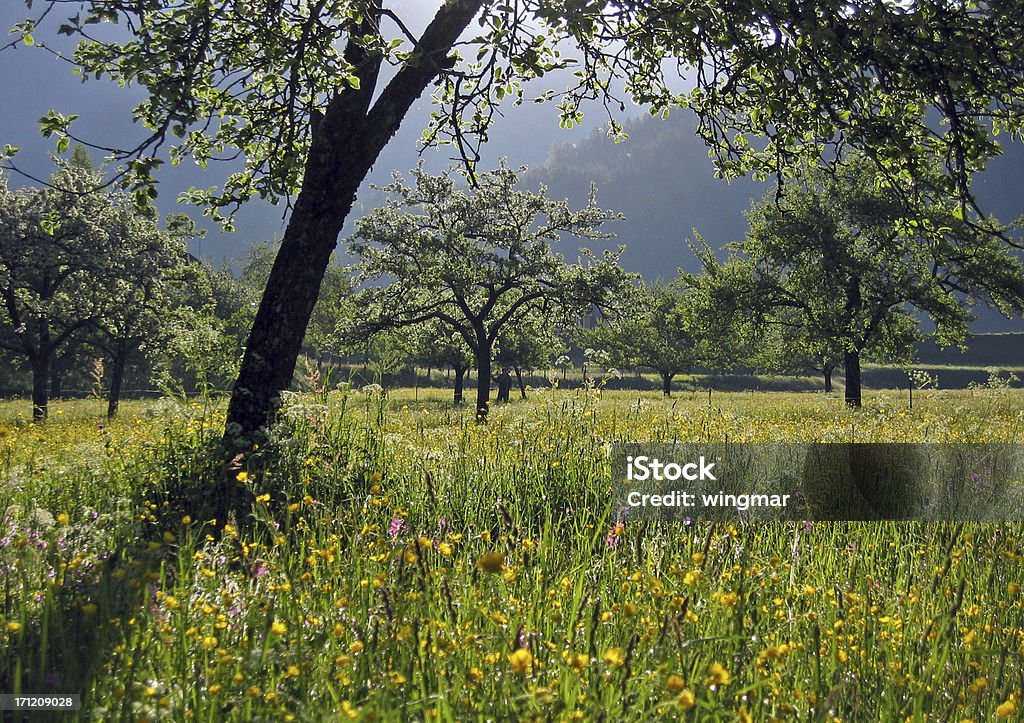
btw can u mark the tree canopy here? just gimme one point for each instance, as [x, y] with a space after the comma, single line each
[257, 76]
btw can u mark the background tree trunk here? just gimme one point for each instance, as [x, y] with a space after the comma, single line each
[827, 373]
[851, 367]
[116, 381]
[851, 357]
[519, 378]
[483, 384]
[460, 380]
[40, 363]
[666, 383]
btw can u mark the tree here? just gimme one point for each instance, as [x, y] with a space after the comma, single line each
[387, 352]
[321, 338]
[55, 249]
[852, 260]
[437, 345]
[478, 260]
[297, 89]
[145, 282]
[83, 267]
[786, 344]
[649, 333]
[530, 343]
[204, 332]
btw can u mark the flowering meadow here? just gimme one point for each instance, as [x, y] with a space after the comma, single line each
[406, 563]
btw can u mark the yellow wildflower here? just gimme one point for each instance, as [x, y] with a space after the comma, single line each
[576, 661]
[521, 661]
[686, 699]
[491, 562]
[717, 675]
[614, 656]
[1007, 708]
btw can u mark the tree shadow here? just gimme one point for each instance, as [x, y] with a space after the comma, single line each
[80, 618]
[864, 481]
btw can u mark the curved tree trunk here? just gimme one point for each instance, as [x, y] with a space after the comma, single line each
[346, 141]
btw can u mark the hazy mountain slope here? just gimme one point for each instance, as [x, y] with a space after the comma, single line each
[663, 181]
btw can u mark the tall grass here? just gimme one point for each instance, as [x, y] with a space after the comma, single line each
[404, 562]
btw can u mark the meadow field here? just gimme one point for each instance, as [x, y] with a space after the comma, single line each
[407, 563]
